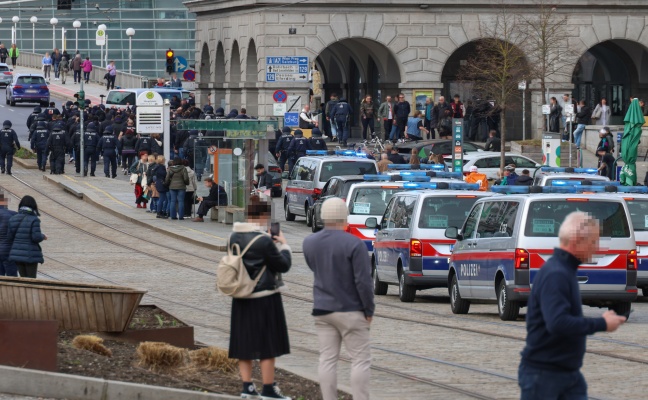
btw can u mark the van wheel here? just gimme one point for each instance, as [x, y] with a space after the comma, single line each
[621, 308]
[644, 291]
[380, 288]
[314, 227]
[457, 304]
[289, 216]
[508, 310]
[309, 216]
[406, 292]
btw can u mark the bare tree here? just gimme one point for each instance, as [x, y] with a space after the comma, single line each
[499, 64]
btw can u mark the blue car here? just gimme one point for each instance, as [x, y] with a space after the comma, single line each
[28, 88]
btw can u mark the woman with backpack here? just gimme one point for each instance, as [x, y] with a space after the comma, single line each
[258, 323]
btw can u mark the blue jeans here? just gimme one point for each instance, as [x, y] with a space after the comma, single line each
[393, 136]
[539, 384]
[153, 204]
[578, 133]
[162, 203]
[8, 268]
[343, 130]
[176, 195]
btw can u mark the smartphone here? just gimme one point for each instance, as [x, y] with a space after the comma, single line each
[274, 229]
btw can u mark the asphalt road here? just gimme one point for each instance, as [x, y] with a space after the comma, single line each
[18, 115]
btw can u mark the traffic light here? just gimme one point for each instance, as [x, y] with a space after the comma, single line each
[80, 96]
[170, 61]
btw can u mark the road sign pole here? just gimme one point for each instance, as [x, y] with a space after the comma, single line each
[457, 151]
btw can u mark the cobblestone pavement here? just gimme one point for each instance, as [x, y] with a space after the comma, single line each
[433, 351]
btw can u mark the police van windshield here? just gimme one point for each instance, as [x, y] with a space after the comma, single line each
[126, 97]
[546, 216]
[333, 168]
[442, 212]
[371, 201]
[638, 214]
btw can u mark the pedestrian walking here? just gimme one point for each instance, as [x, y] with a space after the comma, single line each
[177, 180]
[86, 65]
[298, 148]
[343, 301]
[111, 75]
[368, 115]
[7, 268]
[341, 116]
[427, 121]
[556, 327]
[402, 111]
[583, 118]
[56, 61]
[386, 115]
[107, 147]
[330, 106]
[64, 68]
[9, 143]
[127, 145]
[602, 113]
[77, 68]
[47, 66]
[258, 322]
[25, 236]
[39, 144]
[58, 143]
[4, 53]
[217, 197]
[555, 113]
[13, 54]
[282, 147]
[138, 171]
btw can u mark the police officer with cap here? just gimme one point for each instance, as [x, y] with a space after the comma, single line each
[143, 144]
[297, 148]
[32, 127]
[90, 153]
[316, 141]
[8, 145]
[108, 148]
[39, 143]
[340, 115]
[33, 115]
[58, 143]
[282, 146]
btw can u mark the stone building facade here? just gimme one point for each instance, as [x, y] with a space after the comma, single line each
[382, 47]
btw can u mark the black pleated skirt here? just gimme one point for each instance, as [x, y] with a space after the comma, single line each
[258, 329]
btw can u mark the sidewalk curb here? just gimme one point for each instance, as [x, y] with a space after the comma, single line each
[28, 382]
[102, 206]
[27, 164]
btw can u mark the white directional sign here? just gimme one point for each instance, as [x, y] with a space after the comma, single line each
[278, 109]
[287, 69]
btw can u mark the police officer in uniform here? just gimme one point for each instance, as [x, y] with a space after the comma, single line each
[143, 144]
[33, 115]
[340, 115]
[32, 127]
[76, 144]
[316, 140]
[39, 143]
[90, 153]
[58, 143]
[282, 147]
[108, 148]
[297, 148]
[8, 145]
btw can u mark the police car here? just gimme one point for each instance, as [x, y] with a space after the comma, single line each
[506, 239]
[410, 249]
[370, 198]
[546, 176]
[311, 172]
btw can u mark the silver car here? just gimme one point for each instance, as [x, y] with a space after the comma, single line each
[5, 74]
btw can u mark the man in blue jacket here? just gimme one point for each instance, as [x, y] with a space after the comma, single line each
[556, 327]
[7, 267]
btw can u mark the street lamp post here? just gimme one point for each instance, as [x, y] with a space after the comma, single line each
[522, 86]
[33, 20]
[130, 32]
[15, 20]
[53, 21]
[102, 27]
[77, 25]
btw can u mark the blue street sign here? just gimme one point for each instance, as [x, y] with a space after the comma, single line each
[291, 119]
[287, 69]
[180, 64]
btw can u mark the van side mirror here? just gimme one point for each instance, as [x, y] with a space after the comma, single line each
[372, 223]
[284, 175]
[452, 232]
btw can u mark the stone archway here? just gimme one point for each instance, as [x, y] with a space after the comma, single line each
[219, 78]
[234, 79]
[251, 93]
[613, 69]
[205, 78]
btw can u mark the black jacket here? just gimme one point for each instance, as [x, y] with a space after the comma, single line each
[493, 144]
[262, 253]
[264, 180]
[524, 180]
[584, 116]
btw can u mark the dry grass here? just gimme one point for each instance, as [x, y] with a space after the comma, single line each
[91, 343]
[213, 359]
[160, 356]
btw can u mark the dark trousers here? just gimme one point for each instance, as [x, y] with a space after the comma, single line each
[8, 268]
[110, 165]
[86, 76]
[6, 155]
[3, 60]
[368, 122]
[13, 61]
[41, 158]
[77, 159]
[205, 206]
[77, 76]
[188, 203]
[387, 124]
[427, 124]
[89, 155]
[282, 160]
[127, 160]
[27, 270]
[162, 204]
[57, 160]
[56, 70]
[292, 161]
[110, 82]
[538, 384]
[401, 122]
[343, 130]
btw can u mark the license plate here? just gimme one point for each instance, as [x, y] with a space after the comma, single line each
[31, 91]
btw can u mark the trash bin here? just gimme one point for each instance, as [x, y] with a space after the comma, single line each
[551, 149]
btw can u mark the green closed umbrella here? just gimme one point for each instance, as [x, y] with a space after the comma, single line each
[630, 142]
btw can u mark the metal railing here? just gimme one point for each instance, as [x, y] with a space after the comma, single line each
[123, 79]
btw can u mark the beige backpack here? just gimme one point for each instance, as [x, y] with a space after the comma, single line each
[232, 279]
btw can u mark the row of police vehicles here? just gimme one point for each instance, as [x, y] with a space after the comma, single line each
[427, 228]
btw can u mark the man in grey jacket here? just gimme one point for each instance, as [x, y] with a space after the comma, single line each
[343, 304]
[386, 115]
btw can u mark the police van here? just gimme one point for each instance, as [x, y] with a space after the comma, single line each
[548, 175]
[123, 98]
[410, 249]
[507, 238]
[369, 199]
[311, 172]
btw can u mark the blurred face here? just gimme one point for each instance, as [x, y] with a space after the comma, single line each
[389, 98]
[401, 98]
[441, 99]
[368, 99]
[603, 101]
[588, 245]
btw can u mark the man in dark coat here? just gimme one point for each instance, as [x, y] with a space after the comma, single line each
[57, 144]
[7, 268]
[297, 148]
[108, 148]
[493, 143]
[263, 179]
[282, 147]
[9, 143]
[217, 197]
[39, 144]
[316, 140]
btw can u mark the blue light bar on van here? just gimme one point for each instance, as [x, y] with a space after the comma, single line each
[376, 178]
[580, 183]
[415, 178]
[316, 152]
[412, 173]
[449, 175]
[442, 185]
[433, 167]
[632, 189]
[569, 170]
[399, 167]
[510, 189]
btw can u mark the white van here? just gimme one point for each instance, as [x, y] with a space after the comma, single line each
[122, 98]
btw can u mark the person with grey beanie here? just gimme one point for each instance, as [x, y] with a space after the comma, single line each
[343, 304]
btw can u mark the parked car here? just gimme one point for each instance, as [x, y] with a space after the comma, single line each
[436, 146]
[6, 74]
[28, 88]
[489, 163]
[337, 186]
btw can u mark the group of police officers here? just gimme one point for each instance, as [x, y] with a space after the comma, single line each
[289, 148]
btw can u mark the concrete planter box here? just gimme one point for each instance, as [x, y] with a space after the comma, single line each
[533, 152]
